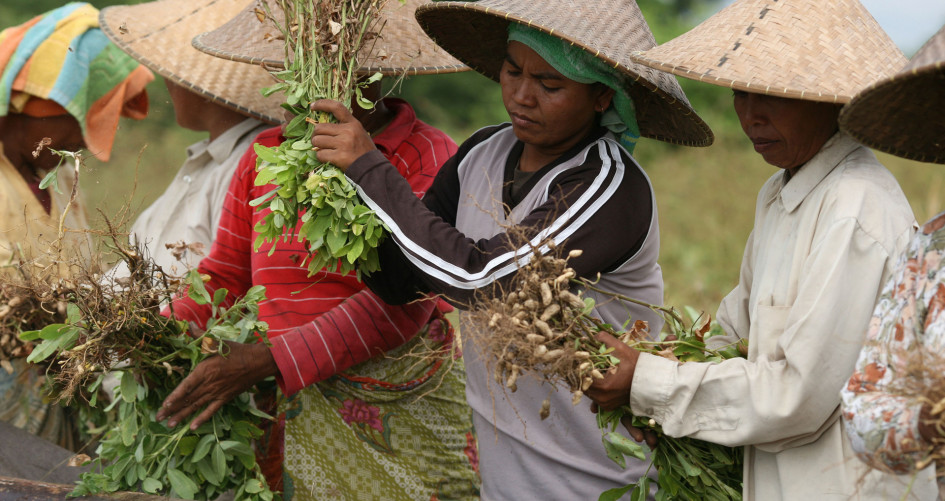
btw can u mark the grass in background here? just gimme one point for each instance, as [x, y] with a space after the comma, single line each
[705, 196]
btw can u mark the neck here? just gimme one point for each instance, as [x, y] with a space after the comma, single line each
[219, 119]
[376, 119]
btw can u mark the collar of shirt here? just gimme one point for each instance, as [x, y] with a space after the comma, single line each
[399, 129]
[794, 190]
[222, 147]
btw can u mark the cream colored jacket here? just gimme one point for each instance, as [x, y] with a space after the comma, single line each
[823, 245]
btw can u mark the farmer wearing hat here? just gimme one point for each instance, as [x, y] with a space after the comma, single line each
[829, 226]
[63, 86]
[365, 420]
[889, 426]
[221, 98]
[561, 170]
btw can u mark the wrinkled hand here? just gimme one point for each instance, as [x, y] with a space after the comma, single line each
[339, 143]
[614, 390]
[216, 381]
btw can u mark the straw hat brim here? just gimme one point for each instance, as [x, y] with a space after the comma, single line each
[158, 34]
[402, 49]
[904, 115]
[800, 49]
[476, 33]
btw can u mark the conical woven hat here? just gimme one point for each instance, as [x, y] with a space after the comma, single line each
[905, 114]
[817, 50]
[402, 48]
[158, 34]
[477, 34]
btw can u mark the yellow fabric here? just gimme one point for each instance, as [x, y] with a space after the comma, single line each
[28, 232]
[53, 52]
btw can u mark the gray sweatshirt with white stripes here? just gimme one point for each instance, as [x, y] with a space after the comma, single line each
[455, 242]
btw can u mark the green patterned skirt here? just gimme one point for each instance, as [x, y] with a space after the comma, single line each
[396, 428]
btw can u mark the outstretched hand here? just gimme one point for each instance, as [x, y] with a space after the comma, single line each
[216, 381]
[339, 143]
[614, 390]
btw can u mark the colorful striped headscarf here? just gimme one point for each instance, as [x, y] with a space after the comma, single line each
[63, 57]
[581, 66]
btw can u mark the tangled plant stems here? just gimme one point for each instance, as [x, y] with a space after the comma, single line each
[325, 41]
[120, 331]
[543, 327]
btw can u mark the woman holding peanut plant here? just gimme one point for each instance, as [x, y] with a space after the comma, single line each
[561, 170]
[829, 225]
[63, 86]
[892, 405]
[355, 426]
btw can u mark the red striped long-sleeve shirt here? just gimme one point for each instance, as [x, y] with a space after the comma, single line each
[326, 323]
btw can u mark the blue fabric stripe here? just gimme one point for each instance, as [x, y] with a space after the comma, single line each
[24, 51]
[83, 51]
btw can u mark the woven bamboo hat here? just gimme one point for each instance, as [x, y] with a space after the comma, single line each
[157, 34]
[477, 34]
[905, 114]
[402, 47]
[803, 49]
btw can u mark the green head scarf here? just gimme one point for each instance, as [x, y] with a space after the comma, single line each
[581, 66]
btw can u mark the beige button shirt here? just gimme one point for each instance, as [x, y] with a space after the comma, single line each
[190, 207]
[822, 247]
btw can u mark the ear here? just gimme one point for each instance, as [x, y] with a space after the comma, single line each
[604, 97]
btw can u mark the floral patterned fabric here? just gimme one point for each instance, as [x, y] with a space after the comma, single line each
[908, 324]
[394, 428]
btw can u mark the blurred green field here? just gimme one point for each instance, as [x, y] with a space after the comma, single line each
[706, 196]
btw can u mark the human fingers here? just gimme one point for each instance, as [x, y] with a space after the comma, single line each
[207, 413]
[179, 399]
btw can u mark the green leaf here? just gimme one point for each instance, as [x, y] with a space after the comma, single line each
[642, 490]
[43, 351]
[355, 251]
[187, 445]
[29, 335]
[151, 485]
[254, 486]
[139, 452]
[257, 201]
[335, 240]
[266, 154]
[197, 290]
[129, 387]
[626, 446]
[218, 461]
[615, 493]
[203, 447]
[181, 484]
[51, 178]
[218, 296]
[691, 470]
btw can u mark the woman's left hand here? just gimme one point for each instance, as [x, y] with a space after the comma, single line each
[339, 143]
[216, 381]
[614, 390]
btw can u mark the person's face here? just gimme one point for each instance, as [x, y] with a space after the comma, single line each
[548, 111]
[63, 132]
[189, 108]
[786, 132]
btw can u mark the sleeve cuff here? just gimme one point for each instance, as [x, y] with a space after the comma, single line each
[653, 382]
